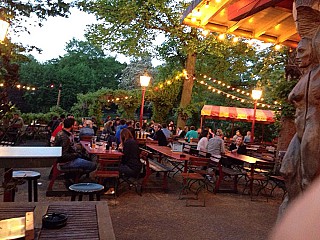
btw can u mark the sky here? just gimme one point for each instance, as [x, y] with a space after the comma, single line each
[56, 32]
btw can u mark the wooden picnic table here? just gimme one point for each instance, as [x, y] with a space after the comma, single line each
[246, 159]
[86, 220]
[99, 150]
[166, 151]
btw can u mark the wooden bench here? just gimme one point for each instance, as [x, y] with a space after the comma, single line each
[153, 167]
[278, 182]
[224, 171]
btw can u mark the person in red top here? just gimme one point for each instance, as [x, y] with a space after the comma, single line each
[55, 132]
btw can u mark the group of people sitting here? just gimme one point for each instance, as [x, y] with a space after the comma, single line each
[73, 159]
[214, 143]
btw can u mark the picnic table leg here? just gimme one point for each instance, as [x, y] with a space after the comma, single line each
[165, 182]
[251, 179]
[9, 191]
[30, 190]
[35, 189]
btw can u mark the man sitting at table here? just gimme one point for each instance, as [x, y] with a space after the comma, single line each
[238, 147]
[192, 133]
[87, 129]
[70, 159]
[159, 136]
[216, 145]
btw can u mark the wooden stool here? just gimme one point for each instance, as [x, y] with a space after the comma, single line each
[30, 176]
[90, 189]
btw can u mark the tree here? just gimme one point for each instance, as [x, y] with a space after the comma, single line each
[130, 27]
[130, 75]
[17, 13]
[84, 68]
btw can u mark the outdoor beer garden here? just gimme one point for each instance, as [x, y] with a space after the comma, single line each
[218, 140]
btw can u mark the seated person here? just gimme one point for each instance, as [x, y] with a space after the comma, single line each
[203, 141]
[87, 129]
[247, 138]
[70, 159]
[16, 123]
[159, 135]
[183, 133]
[166, 131]
[15, 127]
[238, 147]
[238, 134]
[216, 146]
[130, 165]
[192, 133]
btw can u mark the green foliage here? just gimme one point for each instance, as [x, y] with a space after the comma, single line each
[83, 69]
[17, 13]
[42, 118]
[92, 103]
[164, 97]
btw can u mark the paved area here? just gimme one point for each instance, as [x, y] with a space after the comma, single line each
[158, 215]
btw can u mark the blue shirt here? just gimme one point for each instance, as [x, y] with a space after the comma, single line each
[191, 134]
[119, 128]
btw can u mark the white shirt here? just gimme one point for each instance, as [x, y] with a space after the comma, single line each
[202, 144]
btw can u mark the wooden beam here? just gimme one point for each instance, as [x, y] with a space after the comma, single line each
[264, 27]
[235, 26]
[286, 35]
[214, 9]
[245, 8]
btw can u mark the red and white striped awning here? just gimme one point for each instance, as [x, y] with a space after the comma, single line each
[237, 114]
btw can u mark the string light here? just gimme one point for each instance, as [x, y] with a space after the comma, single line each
[221, 36]
[228, 95]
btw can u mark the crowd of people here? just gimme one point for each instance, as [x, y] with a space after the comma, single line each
[66, 132]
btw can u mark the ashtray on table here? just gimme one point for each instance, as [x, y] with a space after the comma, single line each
[54, 220]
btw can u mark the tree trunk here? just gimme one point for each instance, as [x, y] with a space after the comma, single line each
[187, 87]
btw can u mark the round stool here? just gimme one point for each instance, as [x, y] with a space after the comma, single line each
[90, 189]
[30, 176]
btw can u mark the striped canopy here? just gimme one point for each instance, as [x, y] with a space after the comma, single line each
[237, 114]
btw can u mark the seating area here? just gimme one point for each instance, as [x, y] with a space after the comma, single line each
[191, 192]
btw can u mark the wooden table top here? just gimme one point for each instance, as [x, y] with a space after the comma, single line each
[243, 158]
[188, 143]
[86, 220]
[168, 152]
[99, 150]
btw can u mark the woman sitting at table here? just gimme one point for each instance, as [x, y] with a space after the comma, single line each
[238, 147]
[130, 165]
[203, 141]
